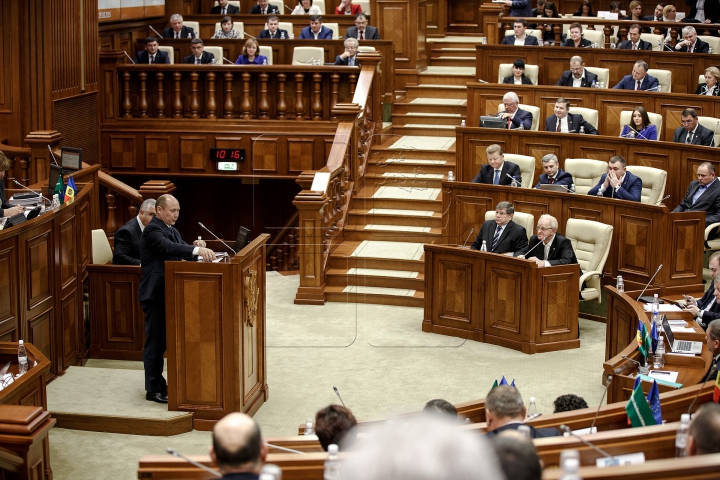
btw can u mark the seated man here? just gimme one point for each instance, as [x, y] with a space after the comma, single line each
[553, 174]
[565, 122]
[361, 30]
[127, 238]
[577, 76]
[199, 56]
[516, 117]
[691, 132]
[634, 42]
[505, 410]
[704, 309]
[441, 408]
[703, 194]
[497, 171]
[176, 28]
[238, 448]
[152, 54]
[690, 42]
[639, 80]
[575, 38]
[556, 249]
[273, 31]
[618, 182]
[518, 456]
[712, 336]
[349, 56]
[501, 235]
[520, 37]
[704, 433]
[263, 8]
[335, 424]
[316, 31]
[224, 8]
[657, 15]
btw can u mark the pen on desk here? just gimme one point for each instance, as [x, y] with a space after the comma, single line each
[659, 372]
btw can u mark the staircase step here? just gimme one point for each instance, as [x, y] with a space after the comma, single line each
[428, 145]
[374, 277]
[393, 233]
[446, 61]
[389, 216]
[405, 179]
[404, 256]
[375, 295]
[427, 130]
[443, 119]
[436, 91]
[441, 106]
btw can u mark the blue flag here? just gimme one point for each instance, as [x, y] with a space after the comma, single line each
[503, 381]
[654, 336]
[653, 398]
[513, 383]
[637, 382]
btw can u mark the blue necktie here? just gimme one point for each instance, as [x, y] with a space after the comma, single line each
[496, 180]
[498, 231]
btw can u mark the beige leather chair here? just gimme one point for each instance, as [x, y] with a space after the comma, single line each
[595, 36]
[195, 26]
[267, 51]
[281, 6]
[287, 26]
[525, 220]
[664, 77]
[714, 244]
[586, 173]
[654, 181]
[590, 115]
[714, 43]
[535, 111]
[231, 2]
[591, 242]
[101, 251]
[654, 40]
[713, 124]
[365, 48]
[531, 71]
[655, 118]
[304, 55]
[171, 53]
[602, 73]
[239, 26]
[527, 167]
[334, 27]
[217, 53]
[530, 31]
[364, 5]
[321, 5]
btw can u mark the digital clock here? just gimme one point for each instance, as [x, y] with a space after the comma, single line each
[227, 154]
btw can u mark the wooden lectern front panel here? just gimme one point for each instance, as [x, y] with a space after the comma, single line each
[8, 289]
[456, 287]
[559, 308]
[39, 253]
[635, 254]
[684, 243]
[502, 313]
[471, 213]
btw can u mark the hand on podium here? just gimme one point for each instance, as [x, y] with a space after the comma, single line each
[206, 254]
[540, 263]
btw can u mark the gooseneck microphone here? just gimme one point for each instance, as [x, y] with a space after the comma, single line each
[52, 155]
[288, 8]
[338, 395]
[216, 237]
[285, 449]
[524, 255]
[662, 200]
[468, 237]
[155, 31]
[607, 384]
[129, 58]
[649, 282]
[638, 133]
[654, 89]
[175, 453]
[602, 452]
[516, 180]
[642, 369]
[248, 35]
[40, 195]
[228, 61]
[707, 377]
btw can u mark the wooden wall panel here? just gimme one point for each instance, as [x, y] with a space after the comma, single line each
[39, 333]
[8, 289]
[70, 326]
[456, 281]
[300, 154]
[39, 278]
[557, 291]
[157, 152]
[68, 260]
[503, 312]
[122, 151]
[265, 154]
[192, 153]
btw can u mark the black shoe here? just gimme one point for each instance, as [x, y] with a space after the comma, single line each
[156, 397]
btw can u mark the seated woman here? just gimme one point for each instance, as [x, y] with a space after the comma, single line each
[550, 11]
[306, 7]
[640, 126]
[226, 29]
[710, 87]
[586, 10]
[346, 7]
[249, 54]
[518, 77]
[669, 15]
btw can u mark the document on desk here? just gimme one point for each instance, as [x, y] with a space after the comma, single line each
[665, 375]
[682, 329]
[664, 308]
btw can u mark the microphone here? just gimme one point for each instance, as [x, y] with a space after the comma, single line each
[33, 191]
[481, 80]
[654, 89]
[713, 369]
[338, 395]
[468, 237]
[129, 58]
[524, 255]
[717, 124]
[284, 449]
[53, 156]
[312, 59]
[232, 63]
[216, 237]
[602, 452]
[288, 8]
[662, 200]
[534, 415]
[248, 35]
[638, 133]
[175, 453]
[648, 284]
[569, 190]
[641, 368]
[607, 384]
[516, 180]
[155, 32]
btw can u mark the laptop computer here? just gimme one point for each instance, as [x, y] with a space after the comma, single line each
[680, 346]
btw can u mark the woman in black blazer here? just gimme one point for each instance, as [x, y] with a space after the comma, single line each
[710, 87]
[518, 76]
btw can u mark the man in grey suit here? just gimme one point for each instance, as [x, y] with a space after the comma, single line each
[703, 194]
[361, 30]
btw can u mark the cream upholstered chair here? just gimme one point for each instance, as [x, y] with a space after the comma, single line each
[364, 5]
[365, 48]
[590, 115]
[595, 36]
[654, 40]
[525, 220]
[531, 71]
[304, 55]
[217, 53]
[335, 27]
[714, 43]
[238, 26]
[602, 73]
[287, 26]
[101, 251]
[664, 78]
[530, 31]
[170, 52]
[591, 242]
[713, 244]
[267, 51]
[655, 118]
[281, 7]
[195, 26]
[653, 180]
[586, 173]
[321, 5]
[231, 2]
[535, 111]
[713, 124]
[527, 167]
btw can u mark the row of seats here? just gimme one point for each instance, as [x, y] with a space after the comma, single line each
[364, 4]
[301, 55]
[287, 26]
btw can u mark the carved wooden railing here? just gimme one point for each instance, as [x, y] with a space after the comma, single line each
[119, 202]
[19, 165]
[282, 251]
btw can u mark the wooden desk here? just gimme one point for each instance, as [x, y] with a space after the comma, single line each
[690, 468]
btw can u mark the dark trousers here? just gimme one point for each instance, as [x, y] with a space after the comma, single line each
[155, 344]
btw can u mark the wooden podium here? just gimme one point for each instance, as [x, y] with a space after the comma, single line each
[216, 335]
[501, 300]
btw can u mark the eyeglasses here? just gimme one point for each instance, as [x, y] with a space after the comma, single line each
[544, 229]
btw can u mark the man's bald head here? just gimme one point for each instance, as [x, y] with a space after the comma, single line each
[237, 444]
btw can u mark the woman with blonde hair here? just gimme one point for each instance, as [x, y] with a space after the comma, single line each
[710, 87]
[250, 55]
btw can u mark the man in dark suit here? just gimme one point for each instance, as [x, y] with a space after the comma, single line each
[516, 117]
[639, 80]
[577, 76]
[555, 249]
[553, 174]
[361, 30]
[520, 37]
[496, 171]
[238, 448]
[519, 8]
[224, 8]
[158, 243]
[152, 54]
[703, 194]
[634, 42]
[127, 238]
[657, 16]
[698, 308]
[6, 209]
[618, 182]
[176, 28]
[691, 132]
[566, 122]
[690, 42]
[349, 56]
[505, 410]
[501, 235]
[263, 8]
[316, 30]
[273, 31]
[199, 56]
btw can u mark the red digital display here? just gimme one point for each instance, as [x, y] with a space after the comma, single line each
[227, 154]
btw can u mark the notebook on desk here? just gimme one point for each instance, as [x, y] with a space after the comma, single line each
[681, 346]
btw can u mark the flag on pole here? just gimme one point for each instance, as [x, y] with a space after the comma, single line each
[70, 190]
[59, 188]
[643, 340]
[716, 392]
[653, 398]
[653, 336]
[503, 381]
[638, 410]
[495, 384]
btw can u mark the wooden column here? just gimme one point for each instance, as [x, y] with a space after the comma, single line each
[40, 158]
[23, 440]
[311, 207]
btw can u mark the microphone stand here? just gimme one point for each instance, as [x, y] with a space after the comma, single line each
[662, 199]
[33, 191]
[607, 385]
[129, 58]
[643, 370]
[155, 32]
[648, 284]
[217, 238]
[468, 237]
[338, 395]
[175, 453]
[602, 452]
[707, 377]
[515, 180]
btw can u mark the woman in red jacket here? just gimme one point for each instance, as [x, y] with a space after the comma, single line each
[348, 8]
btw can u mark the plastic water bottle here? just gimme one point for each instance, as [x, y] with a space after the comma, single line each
[483, 247]
[532, 408]
[332, 464]
[681, 436]
[570, 465]
[462, 123]
[655, 308]
[582, 130]
[620, 285]
[309, 427]
[594, 84]
[22, 358]
[572, 187]
[272, 471]
[282, 35]
[451, 176]
[521, 127]
[659, 355]
[514, 183]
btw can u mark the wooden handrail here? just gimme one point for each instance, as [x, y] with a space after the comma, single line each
[117, 186]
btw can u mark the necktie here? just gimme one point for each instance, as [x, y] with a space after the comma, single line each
[361, 36]
[551, 180]
[689, 137]
[177, 34]
[691, 48]
[496, 238]
[263, 11]
[496, 180]
[509, 123]
[638, 85]
[197, 61]
[634, 46]
[152, 58]
[558, 126]
[272, 35]
[351, 61]
[224, 11]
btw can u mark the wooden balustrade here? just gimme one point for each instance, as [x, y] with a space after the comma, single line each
[118, 203]
[19, 165]
[282, 251]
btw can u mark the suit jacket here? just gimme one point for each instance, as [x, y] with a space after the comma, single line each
[707, 296]
[534, 432]
[561, 251]
[627, 45]
[231, 10]
[354, 9]
[487, 173]
[700, 46]
[3, 200]
[184, 32]
[521, 8]
[703, 136]
[127, 244]
[278, 34]
[713, 313]
[712, 10]
[709, 201]
[584, 43]
[344, 61]
[144, 57]
[567, 81]
[628, 83]
[371, 33]
[561, 178]
[510, 40]
[512, 239]
[205, 59]
[159, 243]
[325, 34]
[574, 123]
[521, 117]
[271, 9]
[630, 189]
[700, 90]
[647, 133]
[511, 80]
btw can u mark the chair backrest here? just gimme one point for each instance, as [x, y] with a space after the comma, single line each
[527, 167]
[714, 43]
[712, 123]
[586, 173]
[280, 4]
[334, 27]
[655, 118]
[531, 71]
[535, 111]
[231, 2]
[239, 26]
[654, 40]
[595, 36]
[287, 26]
[170, 52]
[194, 25]
[365, 48]
[653, 180]
[304, 55]
[530, 31]
[364, 5]
[267, 51]
[217, 53]
[701, 79]
[101, 251]
[603, 74]
[525, 220]
[321, 5]
[591, 241]
[590, 115]
[664, 78]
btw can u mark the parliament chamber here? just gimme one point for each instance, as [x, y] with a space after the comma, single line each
[356, 184]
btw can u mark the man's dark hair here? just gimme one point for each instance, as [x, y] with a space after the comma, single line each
[615, 5]
[518, 457]
[618, 159]
[150, 40]
[689, 111]
[576, 25]
[360, 15]
[273, 17]
[195, 41]
[316, 18]
[705, 429]
[507, 206]
[569, 402]
[250, 453]
[565, 101]
[520, 20]
[504, 402]
[440, 407]
[635, 25]
[332, 425]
